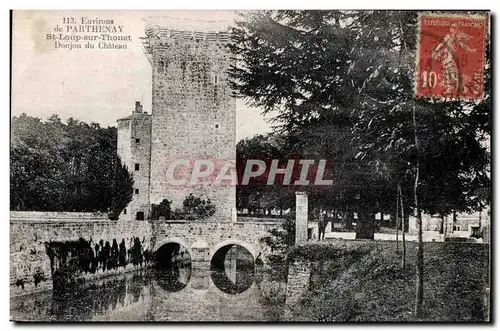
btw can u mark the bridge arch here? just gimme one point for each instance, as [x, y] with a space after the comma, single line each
[231, 242]
[174, 240]
[173, 266]
[171, 250]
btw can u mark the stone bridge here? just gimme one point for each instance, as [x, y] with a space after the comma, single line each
[206, 239]
[201, 239]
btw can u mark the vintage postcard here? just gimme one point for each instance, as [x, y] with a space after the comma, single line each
[250, 166]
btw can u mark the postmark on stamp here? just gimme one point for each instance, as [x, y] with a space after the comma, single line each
[451, 56]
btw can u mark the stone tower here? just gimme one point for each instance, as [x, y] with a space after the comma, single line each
[193, 110]
[134, 149]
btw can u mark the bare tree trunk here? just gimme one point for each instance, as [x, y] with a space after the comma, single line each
[445, 226]
[480, 212]
[402, 226]
[454, 220]
[349, 219]
[419, 291]
[397, 219]
[334, 218]
[365, 228]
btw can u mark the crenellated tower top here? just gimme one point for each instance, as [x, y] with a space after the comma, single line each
[161, 31]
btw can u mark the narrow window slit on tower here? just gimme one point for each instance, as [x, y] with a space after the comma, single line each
[137, 167]
[136, 191]
[183, 68]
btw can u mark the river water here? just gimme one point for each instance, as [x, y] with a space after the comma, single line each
[180, 293]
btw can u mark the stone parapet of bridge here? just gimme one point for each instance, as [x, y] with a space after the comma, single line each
[260, 219]
[55, 215]
[213, 235]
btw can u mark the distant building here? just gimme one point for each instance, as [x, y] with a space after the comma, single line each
[464, 226]
[134, 148]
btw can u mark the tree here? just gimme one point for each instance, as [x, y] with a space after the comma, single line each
[441, 142]
[197, 208]
[123, 189]
[257, 195]
[71, 166]
[295, 62]
[162, 209]
[281, 239]
[310, 66]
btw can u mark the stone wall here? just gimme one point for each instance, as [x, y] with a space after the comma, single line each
[30, 230]
[299, 275]
[260, 219]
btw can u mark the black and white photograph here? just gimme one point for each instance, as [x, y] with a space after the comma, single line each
[277, 166]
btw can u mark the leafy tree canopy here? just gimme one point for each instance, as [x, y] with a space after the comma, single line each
[342, 85]
[71, 166]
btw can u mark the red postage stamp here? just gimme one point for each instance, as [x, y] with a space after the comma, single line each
[451, 56]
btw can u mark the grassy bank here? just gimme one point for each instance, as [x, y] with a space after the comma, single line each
[363, 281]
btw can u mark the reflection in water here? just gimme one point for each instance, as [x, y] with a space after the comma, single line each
[171, 294]
[174, 279]
[96, 300]
[244, 280]
[233, 269]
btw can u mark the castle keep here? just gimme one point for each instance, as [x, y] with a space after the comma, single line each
[193, 116]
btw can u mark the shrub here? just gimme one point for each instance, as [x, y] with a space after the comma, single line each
[197, 207]
[280, 240]
[162, 209]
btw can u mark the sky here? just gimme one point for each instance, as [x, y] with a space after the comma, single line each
[96, 85]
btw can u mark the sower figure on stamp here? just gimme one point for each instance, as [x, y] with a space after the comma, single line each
[322, 225]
